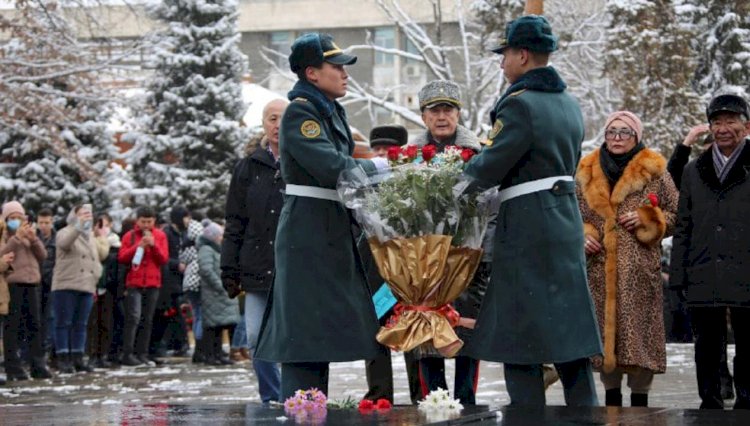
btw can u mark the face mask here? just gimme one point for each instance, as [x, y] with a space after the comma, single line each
[14, 224]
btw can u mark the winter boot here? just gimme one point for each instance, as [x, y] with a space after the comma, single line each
[14, 372]
[78, 363]
[245, 354]
[613, 397]
[199, 353]
[235, 354]
[39, 369]
[639, 400]
[64, 363]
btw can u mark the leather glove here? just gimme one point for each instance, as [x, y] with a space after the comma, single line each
[232, 286]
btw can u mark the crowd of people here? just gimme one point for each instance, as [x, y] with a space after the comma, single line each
[572, 282]
[75, 295]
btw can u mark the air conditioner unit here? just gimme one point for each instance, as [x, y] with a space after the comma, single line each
[413, 71]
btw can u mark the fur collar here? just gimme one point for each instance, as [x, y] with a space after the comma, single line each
[464, 139]
[305, 89]
[544, 79]
[739, 171]
[643, 168]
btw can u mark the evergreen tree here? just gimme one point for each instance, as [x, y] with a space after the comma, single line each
[723, 45]
[649, 62]
[54, 111]
[191, 134]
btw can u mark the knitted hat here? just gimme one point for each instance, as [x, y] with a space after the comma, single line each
[12, 207]
[628, 118]
[213, 231]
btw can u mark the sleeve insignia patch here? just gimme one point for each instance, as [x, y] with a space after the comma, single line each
[310, 129]
[496, 129]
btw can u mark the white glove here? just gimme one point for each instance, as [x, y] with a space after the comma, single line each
[380, 163]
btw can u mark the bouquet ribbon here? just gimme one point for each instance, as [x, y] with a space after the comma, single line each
[447, 310]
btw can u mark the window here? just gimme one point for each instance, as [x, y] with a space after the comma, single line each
[281, 42]
[386, 38]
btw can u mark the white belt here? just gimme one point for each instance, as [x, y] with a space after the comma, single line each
[313, 192]
[531, 187]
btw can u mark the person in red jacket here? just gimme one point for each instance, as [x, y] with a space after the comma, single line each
[144, 249]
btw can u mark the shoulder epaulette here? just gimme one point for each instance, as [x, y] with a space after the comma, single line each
[517, 93]
[301, 99]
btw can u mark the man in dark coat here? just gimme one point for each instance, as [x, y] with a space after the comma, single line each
[710, 260]
[254, 203]
[169, 326]
[440, 103]
[320, 309]
[537, 308]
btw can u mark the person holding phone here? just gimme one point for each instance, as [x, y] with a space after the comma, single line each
[80, 250]
[23, 286]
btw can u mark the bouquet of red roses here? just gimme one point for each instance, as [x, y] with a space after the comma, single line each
[425, 231]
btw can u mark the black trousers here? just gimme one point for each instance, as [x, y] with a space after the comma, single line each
[140, 304]
[24, 316]
[708, 325]
[99, 329]
[170, 331]
[379, 373]
[432, 376]
[303, 375]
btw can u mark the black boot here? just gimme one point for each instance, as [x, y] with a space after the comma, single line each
[639, 400]
[199, 354]
[613, 397]
[78, 363]
[64, 365]
[14, 372]
[39, 369]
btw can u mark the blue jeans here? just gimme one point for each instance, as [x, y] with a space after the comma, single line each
[194, 297]
[239, 337]
[269, 374]
[72, 309]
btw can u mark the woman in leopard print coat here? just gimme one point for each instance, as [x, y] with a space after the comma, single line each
[628, 204]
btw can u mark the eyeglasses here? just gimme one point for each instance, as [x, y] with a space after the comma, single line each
[622, 133]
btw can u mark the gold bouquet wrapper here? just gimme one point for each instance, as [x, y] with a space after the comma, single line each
[425, 274]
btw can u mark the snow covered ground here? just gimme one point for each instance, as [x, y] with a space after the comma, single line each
[180, 382]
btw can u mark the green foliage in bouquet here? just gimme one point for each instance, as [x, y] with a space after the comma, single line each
[422, 196]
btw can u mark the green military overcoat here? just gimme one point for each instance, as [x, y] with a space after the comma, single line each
[537, 308]
[319, 308]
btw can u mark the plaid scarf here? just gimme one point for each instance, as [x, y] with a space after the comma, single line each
[722, 165]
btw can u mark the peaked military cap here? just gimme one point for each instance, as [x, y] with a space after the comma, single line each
[531, 32]
[727, 103]
[439, 92]
[392, 134]
[312, 49]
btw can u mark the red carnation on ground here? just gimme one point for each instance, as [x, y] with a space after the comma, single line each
[411, 152]
[652, 199]
[428, 152]
[383, 404]
[393, 153]
[466, 154]
[366, 405]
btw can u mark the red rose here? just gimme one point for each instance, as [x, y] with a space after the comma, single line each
[393, 153]
[428, 152]
[654, 199]
[411, 152]
[383, 404]
[366, 405]
[466, 154]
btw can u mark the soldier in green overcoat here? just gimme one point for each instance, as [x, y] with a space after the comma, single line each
[320, 309]
[537, 308]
